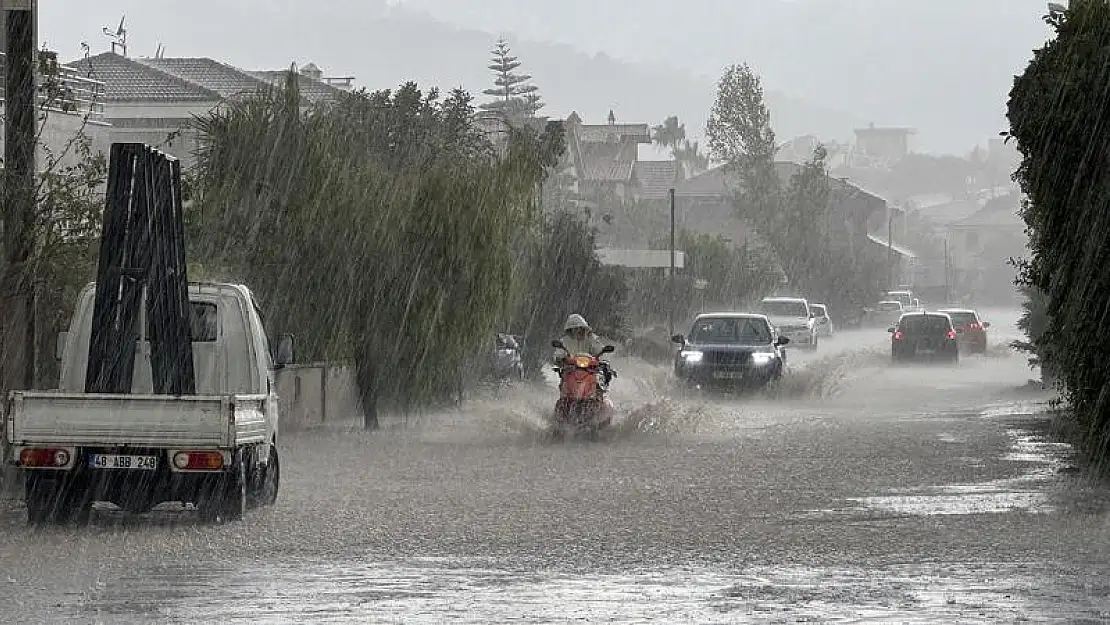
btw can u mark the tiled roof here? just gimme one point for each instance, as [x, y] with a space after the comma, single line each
[186, 79]
[604, 170]
[225, 80]
[602, 133]
[708, 184]
[655, 178]
[127, 80]
[605, 163]
[312, 90]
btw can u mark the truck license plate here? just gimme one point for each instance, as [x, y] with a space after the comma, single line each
[728, 375]
[113, 461]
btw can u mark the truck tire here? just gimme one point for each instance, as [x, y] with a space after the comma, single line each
[226, 500]
[264, 488]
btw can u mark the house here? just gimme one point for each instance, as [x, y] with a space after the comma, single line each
[705, 204]
[603, 156]
[902, 263]
[68, 103]
[156, 100]
[981, 246]
[885, 144]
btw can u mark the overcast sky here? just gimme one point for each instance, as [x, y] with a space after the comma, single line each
[942, 66]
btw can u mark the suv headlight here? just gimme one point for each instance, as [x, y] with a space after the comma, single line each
[691, 356]
[762, 358]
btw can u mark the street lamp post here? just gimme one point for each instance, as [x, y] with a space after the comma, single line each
[670, 289]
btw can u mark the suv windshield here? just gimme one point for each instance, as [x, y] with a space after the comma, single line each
[962, 318]
[741, 331]
[925, 324]
[784, 309]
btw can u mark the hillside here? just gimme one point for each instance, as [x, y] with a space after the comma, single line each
[384, 46]
[943, 66]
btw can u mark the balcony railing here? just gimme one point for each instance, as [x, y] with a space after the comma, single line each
[65, 90]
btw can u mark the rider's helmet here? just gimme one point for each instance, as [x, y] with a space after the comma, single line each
[576, 326]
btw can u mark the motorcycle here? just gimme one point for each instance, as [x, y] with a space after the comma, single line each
[507, 362]
[583, 406]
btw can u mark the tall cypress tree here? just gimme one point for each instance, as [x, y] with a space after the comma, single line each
[513, 94]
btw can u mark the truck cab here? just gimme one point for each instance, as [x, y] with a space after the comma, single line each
[216, 449]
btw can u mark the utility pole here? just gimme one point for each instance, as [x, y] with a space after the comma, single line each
[18, 208]
[890, 248]
[670, 287]
[945, 270]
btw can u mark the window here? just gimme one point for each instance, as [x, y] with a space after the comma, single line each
[926, 324]
[741, 331]
[780, 308]
[203, 322]
[962, 318]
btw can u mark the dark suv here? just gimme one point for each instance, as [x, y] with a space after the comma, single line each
[924, 336]
[734, 350]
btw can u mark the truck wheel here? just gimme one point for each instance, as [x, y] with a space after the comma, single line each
[264, 491]
[226, 500]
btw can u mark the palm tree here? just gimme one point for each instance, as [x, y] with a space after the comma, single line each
[669, 134]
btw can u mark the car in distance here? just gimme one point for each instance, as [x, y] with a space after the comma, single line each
[971, 330]
[823, 321]
[734, 350]
[791, 318]
[924, 336]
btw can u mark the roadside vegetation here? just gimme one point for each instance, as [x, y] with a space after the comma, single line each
[790, 216]
[1057, 112]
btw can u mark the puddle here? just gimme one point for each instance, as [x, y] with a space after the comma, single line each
[967, 503]
[469, 592]
[1024, 493]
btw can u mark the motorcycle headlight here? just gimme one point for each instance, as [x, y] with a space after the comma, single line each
[692, 356]
[760, 358]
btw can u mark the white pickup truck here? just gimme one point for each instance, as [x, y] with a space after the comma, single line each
[216, 449]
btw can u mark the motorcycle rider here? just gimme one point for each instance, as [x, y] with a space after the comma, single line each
[578, 338]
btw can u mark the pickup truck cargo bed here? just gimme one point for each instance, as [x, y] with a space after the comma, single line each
[136, 420]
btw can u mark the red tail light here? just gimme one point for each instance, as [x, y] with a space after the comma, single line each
[898, 336]
[951, 335]
[44, 457]
[198, 460]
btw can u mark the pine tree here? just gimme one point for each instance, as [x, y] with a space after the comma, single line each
[514, 95]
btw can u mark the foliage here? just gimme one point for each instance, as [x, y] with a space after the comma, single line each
[51, 237]
[379, 228]
[513, 95]
[814, 246]
[672, 134]
[1057, 111]
[1034, 322]
[563, 276]
[717, 273]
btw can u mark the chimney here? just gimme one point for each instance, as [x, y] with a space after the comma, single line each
[612, 118]
[312, 71]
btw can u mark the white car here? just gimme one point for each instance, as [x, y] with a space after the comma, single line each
[792, 318]
[821, 316]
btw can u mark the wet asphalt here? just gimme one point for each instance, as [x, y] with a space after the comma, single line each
[855, 492]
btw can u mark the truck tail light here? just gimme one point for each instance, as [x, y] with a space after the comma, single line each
[44, 457]
[198, 460]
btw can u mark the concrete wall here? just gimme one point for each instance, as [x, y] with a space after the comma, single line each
[314, 394]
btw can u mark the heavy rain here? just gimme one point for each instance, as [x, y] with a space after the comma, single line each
[539, 312]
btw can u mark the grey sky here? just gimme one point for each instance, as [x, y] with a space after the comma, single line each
[943, 66]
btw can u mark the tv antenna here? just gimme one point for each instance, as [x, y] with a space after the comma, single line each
[160, 52]
[119, 38]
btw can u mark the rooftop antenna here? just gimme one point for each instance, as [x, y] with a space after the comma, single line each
[160, 52]
[119, 38]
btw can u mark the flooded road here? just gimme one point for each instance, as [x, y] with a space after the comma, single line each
[855, 492]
